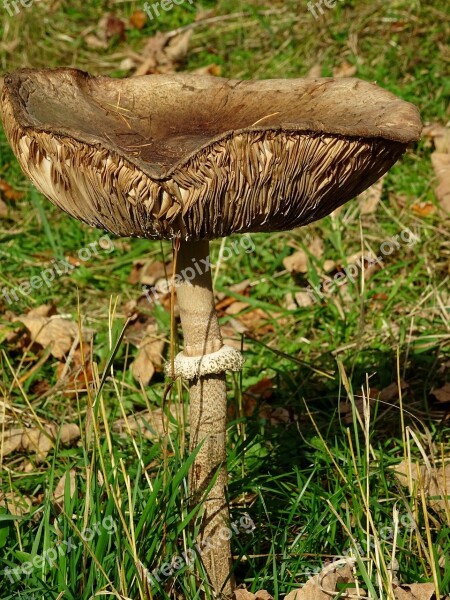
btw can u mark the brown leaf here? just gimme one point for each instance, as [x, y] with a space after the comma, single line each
[75, 374]
[263, 595]
[315, 71]
[38, 441]
[345, 70]
[44, 310]
[370, 199]
[303, 299]
[224, 300]
[296, 262]
[386, 395]
[329, 265]
[440, 135]
[212, 69]
[255, 394]
[178, 46]
[149, 356]
[441, 166]
[58, 494]
[152, 424]
[150, 272]
[3, 209]
[346, 410]
[56, 332]
[15, 504]
[236, 307]
[8, 192]
[442, 394]
[277, 416]
[138, 19]
[390, 393]
[231, 333]
[435, 481]
[316, 247]
[110, 25]
[162, 53]
[324, 585]
[415, 591]
[246, 595]
[92, 41]
[12, 441]
[423, 209]
[256, 321]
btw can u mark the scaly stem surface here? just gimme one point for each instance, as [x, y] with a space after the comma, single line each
[208, 410]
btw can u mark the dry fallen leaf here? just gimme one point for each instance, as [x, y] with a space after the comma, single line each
[371, 197]
[346, 409]
[440, 135]
[95, 43]
[212, 69]
[38, 441]
[149, 356]
[152, 424]
[442, 394]
[423, 209]
[296, 262]
[257, 393]
[44, 310]
[316, 247]
[441, 166]
[76, 372]
[149, 272]
[59, 491]
[315, 71]
[390, 392]
[440, 159]
[236, 307]
[110, 26]
[325, 585]
[232, 334]
[162, 53]
[277, 416]
[56, 332]
[257, 323]
[435, 482]
[15, 504]
[345, 70]
[303, 299]
[415, 591]
[243, 595]
[329, 265]
[246, 595]
[3, 209]
[8, 192]
[138, 19]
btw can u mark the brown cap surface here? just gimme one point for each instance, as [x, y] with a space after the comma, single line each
[201, 157]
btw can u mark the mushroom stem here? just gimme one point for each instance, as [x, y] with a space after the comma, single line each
[204, 362]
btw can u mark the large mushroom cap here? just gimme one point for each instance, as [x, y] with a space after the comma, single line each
[200, 157]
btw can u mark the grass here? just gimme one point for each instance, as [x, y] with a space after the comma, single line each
[318, 485]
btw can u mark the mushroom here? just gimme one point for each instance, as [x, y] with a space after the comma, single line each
[194, 158]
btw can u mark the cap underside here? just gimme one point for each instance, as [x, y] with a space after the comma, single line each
[200, 157]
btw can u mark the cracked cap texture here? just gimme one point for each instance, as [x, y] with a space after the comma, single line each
[199, 157]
